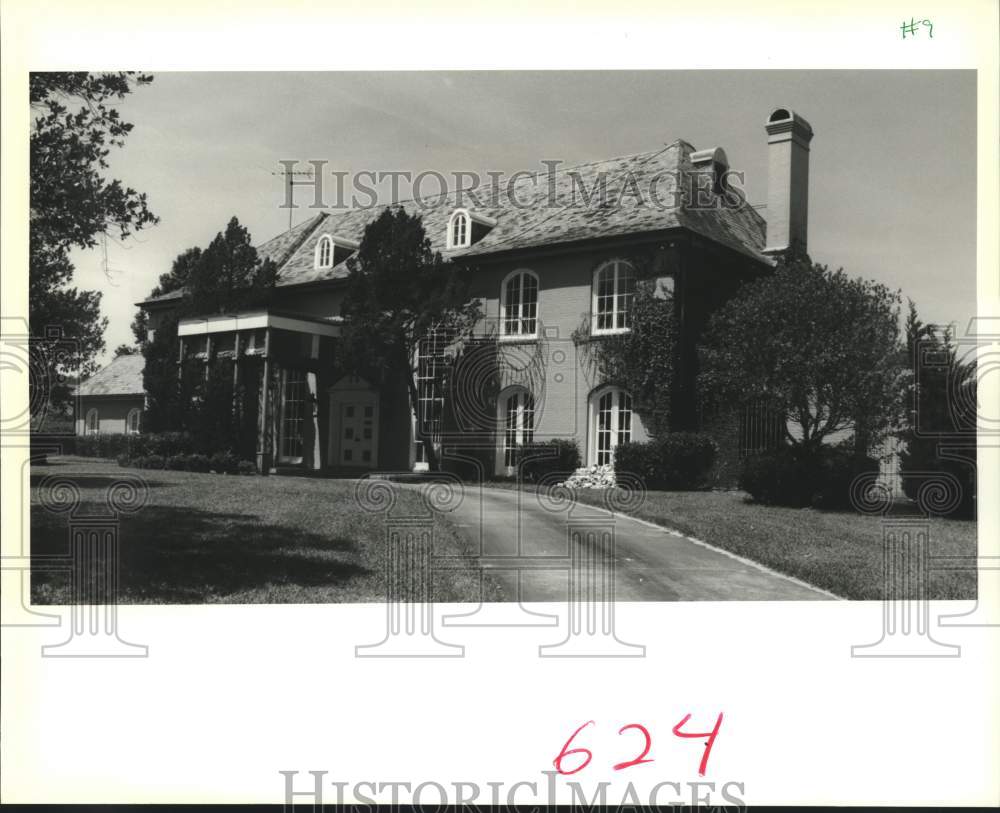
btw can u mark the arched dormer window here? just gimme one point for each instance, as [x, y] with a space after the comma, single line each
[466, 228]
[332, 250]
[92, 423]
[133, 422]
[324, 252]
[519, 304]
[613, 292]
[459, 229]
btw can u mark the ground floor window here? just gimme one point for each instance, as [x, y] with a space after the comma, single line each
[92, 422]
[517, 422]
[133, 422]
[612, 423]
[293, 414]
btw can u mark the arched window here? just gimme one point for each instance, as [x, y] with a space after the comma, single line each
[611, 417]
[519, 304]
[133, 422]
[92, 424]
[613, 292]
[516, 418]
[324, 252]
[459, 229]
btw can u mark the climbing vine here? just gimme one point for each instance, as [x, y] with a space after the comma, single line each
[643, 360]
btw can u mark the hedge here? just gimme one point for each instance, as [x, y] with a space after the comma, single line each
[679, 461]
[554, 456]
[219, 463]
[791, 476]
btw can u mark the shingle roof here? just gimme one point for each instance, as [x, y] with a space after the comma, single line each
[123, 376]
[556, 215]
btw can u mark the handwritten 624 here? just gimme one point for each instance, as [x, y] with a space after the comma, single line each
[564, 763]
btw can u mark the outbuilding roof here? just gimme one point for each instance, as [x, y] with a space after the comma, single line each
[123, 376]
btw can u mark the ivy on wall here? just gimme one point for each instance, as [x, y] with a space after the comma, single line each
[643, 361]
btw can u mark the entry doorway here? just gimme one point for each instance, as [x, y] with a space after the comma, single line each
[353, 424]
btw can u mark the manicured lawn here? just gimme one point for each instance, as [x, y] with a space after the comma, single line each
[840, 551]
[229, 539]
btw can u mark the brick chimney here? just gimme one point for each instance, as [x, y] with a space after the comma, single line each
[788, 137]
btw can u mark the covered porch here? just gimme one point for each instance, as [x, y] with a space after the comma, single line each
[310, 417]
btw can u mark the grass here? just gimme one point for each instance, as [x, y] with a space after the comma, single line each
[212, 538]
[840, 551]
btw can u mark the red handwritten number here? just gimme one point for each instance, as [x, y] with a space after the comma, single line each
[642, 757]
[711, 735]
[557, 762]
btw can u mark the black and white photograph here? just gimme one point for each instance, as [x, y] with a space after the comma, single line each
[744, 328]
[569, 371]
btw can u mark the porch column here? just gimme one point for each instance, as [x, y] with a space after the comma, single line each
[264, 457]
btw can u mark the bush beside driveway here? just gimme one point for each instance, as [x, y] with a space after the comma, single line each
[840, 551]
[210, 538]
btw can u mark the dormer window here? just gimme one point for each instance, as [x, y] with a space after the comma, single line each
[466, 228]
[332, 250]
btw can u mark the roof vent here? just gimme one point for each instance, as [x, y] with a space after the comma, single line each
[712, 161]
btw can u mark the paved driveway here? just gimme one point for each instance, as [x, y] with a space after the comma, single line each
[649, 563]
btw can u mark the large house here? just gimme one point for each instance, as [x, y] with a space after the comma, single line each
[545, 274]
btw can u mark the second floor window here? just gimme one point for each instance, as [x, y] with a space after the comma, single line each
[519, 305]
[614, 290]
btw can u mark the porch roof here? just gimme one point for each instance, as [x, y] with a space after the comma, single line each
[255, 320]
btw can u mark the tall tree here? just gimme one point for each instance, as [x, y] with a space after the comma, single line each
[174, 280]
[226, 277]
[75, 125]
[400, 296]
[939, 426]
[823, 349]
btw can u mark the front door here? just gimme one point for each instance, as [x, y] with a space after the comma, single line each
[357, 434]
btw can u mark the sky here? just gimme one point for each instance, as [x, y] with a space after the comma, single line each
[892, 163]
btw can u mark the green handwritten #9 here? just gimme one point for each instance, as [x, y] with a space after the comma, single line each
[912, 29]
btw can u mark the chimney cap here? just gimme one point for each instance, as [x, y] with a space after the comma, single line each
[784, 119]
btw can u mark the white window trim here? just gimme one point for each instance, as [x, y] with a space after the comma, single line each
[502, 468]
[513, 337]
[325, 240]
[128, 422]
[470, 218]
[335, 243]
[594, 412]
[467, 239]
[97, 422]
[608, 331]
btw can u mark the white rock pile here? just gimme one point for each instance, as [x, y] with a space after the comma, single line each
[592, 477]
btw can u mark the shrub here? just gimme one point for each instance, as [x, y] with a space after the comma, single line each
[557, 455]
[679, 461]
[103, 445]
[177, 462]
[198, 462]
[790, 476]
[124, 460]
[153, 461]
[223, 463]
[246, 467]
